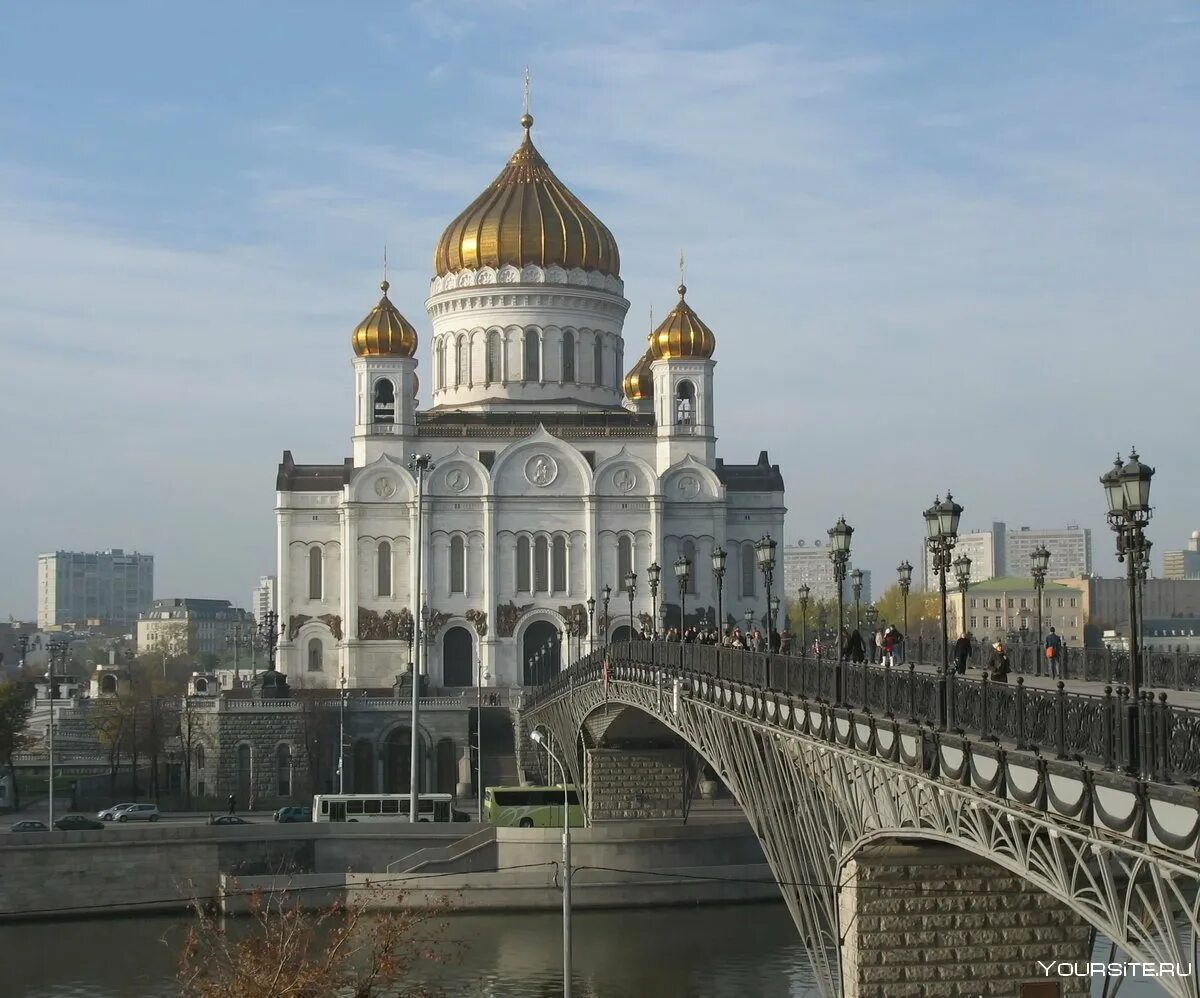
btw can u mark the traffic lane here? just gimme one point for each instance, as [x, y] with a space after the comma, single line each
[173, 818]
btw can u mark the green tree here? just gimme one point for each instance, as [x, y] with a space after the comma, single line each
[15, 708]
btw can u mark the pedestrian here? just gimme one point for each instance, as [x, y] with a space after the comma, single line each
[877, 645]
[856, 648]
[962, 652]
[785, 642]
[891, 641]
[232, 804]
[1054, 649]
[998, 663]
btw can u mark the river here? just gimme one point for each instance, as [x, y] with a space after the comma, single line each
[730, 951]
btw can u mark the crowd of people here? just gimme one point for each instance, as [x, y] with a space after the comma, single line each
[885, 646]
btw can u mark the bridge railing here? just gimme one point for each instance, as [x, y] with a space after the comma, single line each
[1146, 736]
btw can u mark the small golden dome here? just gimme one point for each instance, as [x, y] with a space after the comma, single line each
[682, 334]
[384, 332]
[527, 215]
[639, 382]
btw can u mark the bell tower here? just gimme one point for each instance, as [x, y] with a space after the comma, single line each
[681, 349]
[385, 381]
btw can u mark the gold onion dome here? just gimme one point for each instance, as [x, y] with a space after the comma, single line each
[526, 216]
[384, 332]
[682, 334]
[639, 382]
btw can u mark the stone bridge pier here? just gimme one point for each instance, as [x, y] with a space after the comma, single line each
[927, 919]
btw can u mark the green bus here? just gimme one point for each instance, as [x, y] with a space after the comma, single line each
[530, 807]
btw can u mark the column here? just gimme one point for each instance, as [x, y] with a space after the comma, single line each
[487, 647]
[283, 594]
[351, 515]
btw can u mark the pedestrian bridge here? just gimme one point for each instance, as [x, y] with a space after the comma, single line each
[965, 826]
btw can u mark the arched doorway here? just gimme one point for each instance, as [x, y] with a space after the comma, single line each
[622, 633]
[541, 636]
[397, 760]
[244, 762]
[458, 658]
[364, 767]
[446, 769]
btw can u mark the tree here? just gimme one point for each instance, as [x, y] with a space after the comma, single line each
[15, 708]
[288, 952]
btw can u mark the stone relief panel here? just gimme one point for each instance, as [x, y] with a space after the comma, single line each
[508, 615]
[541, 470]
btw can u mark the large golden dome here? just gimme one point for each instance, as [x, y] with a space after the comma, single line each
[527, 215]
[639, 382]
[682, 334]
[384, 332]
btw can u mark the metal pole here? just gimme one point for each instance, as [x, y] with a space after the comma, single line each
[421, 461]
[479, 736]
[566, 908]
[720, 607]
[945, 630]
[682, 606]
[342, 739]
[631, 613]
[50, 736]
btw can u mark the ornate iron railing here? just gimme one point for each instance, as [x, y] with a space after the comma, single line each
[1148, 737]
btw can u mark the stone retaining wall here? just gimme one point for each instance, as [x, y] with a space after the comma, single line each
[634, 783]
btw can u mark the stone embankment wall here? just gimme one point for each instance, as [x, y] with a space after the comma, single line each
[634, 783]
[936, 921]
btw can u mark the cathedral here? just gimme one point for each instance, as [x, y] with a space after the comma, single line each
[554, 477]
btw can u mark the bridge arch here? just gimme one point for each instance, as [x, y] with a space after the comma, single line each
[818, 786]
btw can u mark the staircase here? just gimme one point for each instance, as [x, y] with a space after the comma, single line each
[499, 753]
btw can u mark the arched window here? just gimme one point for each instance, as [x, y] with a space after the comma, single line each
[384, 557]
[523, 559]
[688, 550]
[458, 565]
[685, 403]
[283, 770]
[315, 654]
[597, 360]
[749, 570]
[624, 561]
[533, 367]
[541, 565]
[492, 372]
[568, 356]
[201, 685]
[463, 374]
[316, 574]
[559, 565]
[384, 410]
[441, 362]
[200, 758]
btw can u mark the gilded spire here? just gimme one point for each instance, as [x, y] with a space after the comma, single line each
[384, 332]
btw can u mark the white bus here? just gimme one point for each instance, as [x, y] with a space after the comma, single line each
[383, 807]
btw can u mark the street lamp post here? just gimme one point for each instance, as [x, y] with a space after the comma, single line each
[749, 623]
[718, 567]
[904, 573]
[484, 678]
[1127, 491]
[941, 533]
[683, 572]
[764, 552]
[341, 767]
[57, 649]
[420, 464]
[631, 588]
[804, 592]
[605, 596]
[962, 575]
[856, 584]
[591, 608]
[1143, 571]
[1039, 559]
[872, 615]
[538, 737]
[653, 574]
[839, 553]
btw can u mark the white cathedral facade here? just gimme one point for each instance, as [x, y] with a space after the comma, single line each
[552, 475]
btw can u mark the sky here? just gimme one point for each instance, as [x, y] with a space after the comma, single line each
[941, 245]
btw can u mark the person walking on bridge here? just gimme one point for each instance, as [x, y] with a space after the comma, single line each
[962, 652]
[1054, 649]
[998, 663]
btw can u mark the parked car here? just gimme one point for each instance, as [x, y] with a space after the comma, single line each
[227, 819]
[290, 814]
[77, 823]
[29, 825]
[110, 813]
[139, 812]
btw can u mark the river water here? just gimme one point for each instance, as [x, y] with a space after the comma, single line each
[728, 951]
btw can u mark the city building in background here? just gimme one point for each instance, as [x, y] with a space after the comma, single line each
[1070, 550]
[1107, 601]
[998, 607]
[190, 626]
[985, 548]
[262, 598]
[105, 587]
[807, 564]
[1183, 564]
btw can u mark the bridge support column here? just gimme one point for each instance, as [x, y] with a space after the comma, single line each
[634, 783]
[935, 920]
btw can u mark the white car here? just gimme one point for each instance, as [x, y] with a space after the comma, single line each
[110, 813]
[139, 812]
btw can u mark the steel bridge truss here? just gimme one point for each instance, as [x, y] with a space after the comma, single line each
[817, 783]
